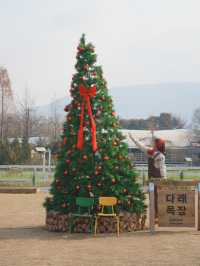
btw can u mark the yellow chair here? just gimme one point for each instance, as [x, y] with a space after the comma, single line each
[107, 202]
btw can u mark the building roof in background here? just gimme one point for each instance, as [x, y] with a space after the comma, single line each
[32, 140]
[174, 138]
[40, 149]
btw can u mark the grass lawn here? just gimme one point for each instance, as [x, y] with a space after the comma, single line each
[21, 178]
[24, 178]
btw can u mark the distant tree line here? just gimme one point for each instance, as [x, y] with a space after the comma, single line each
[161, 122]
[18, 127]
[15, 152]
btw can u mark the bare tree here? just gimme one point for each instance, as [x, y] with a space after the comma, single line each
[54, 124]
[196, 123]
[25, 115]
[7, 103]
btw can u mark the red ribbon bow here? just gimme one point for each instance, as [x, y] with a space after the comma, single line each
[86, 93]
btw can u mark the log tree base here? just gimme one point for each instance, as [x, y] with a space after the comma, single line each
[129, 222]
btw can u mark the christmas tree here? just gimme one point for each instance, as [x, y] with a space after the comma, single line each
[93, 158]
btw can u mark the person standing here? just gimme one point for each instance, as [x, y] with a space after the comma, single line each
[156, 157]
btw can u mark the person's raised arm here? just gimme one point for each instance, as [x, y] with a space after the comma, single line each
[139, 144]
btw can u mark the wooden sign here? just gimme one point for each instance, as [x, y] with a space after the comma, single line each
[176, 204]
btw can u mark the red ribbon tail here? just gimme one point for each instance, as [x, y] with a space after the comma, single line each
[80, 139]
[93, 126]
[94, 139]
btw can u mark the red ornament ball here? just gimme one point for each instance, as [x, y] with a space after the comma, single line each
[125, 190]
[99, 184]
[89, 187]
[77, 187]
[99, 167]
[67, 161]
[65, 172]
[69, 118]
[114, 143]
[113, 181]
[103, 98]
[80, 49]
[67, 107]
[69, 152]
[64, 205]
[86, 67]
[106, 158]
[85, 157]
[98, 114]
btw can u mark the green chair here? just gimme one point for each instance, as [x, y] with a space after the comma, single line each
[84, 210]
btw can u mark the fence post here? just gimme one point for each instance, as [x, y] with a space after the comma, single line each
[151, 207]
[143, 177]
[34, 177]
[181, 175]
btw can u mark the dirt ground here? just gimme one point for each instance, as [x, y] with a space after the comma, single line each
[25, 242]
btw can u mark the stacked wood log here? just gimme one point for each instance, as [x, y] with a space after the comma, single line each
[128, 222]
[57, 222]
[81, 225]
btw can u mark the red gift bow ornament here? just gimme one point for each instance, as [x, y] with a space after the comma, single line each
[86, 94]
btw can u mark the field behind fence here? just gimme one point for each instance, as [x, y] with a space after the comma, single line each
[25, 175]
[38, 176]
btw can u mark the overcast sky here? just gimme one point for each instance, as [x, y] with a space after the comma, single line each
[137, 41]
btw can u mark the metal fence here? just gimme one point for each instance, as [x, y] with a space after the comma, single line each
[40, 176]
[176, 172]
[26, 175]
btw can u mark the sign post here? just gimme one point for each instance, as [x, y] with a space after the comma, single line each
[197, 206]
[177, 204]
[151, 207]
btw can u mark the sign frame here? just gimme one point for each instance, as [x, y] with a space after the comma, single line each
[152, 189]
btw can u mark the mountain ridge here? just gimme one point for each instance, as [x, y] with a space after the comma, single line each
[144, 100]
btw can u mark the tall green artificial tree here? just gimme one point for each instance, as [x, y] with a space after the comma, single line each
[93, 158]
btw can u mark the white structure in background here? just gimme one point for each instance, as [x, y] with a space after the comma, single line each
[43, 150]
[180, 145]
[173, 137]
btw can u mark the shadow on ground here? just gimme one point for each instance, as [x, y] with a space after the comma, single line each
[40, 232]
